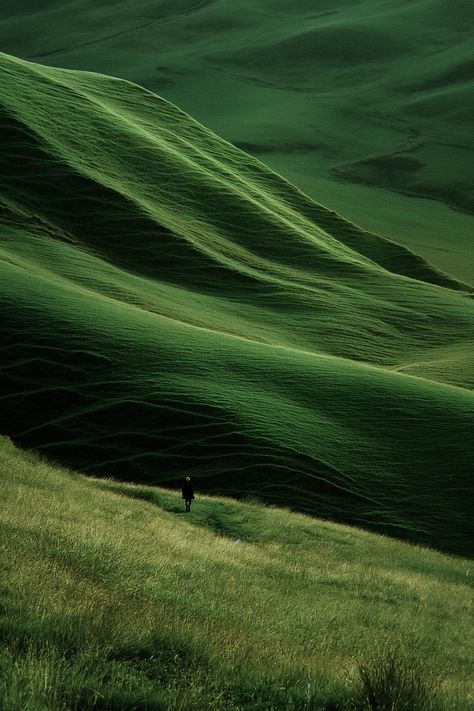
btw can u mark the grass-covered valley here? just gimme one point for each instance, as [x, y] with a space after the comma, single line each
[169, 306]
[113, 598]
[366, 105]
[236, 245]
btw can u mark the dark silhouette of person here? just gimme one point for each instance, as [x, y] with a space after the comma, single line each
[187, 492]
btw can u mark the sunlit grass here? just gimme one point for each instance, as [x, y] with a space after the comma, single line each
[110, 600]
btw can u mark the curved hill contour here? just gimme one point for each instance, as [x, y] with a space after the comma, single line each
[365, 105]
[170, 305]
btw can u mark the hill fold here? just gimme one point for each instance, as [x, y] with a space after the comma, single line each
[171, 305]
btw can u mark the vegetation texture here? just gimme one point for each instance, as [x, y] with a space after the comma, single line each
[169, 305]
[366, 105]
[111, 598]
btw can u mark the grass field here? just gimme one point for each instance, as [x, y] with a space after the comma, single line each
[170, 305]
[364, 104]
[111, 598]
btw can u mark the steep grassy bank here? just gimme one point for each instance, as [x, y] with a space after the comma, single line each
[170, 305]
[366, 105]
[111, 598]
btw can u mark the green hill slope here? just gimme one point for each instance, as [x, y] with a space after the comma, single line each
[170, 305]
[365, 105]
[111, 599]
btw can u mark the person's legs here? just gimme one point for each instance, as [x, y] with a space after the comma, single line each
[188, 505]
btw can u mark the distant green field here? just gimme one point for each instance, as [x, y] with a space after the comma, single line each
[366, 105]
[112, 599]
[170, 305]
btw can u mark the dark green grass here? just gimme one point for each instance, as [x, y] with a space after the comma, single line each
[328, 94]
[111, 598]
[171, 306]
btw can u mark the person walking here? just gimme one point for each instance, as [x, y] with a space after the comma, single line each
[187, 492]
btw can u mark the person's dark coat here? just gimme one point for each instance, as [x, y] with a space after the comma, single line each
[187, 490]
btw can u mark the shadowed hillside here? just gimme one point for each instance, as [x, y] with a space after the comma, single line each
[366, 105]
[170, 305]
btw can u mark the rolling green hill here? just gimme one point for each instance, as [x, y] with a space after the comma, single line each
[170, 305]
[112, 600]
[366, 105]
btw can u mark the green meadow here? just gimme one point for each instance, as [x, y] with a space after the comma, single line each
[112, 598]
[170, 305]
[365, 105]
[236, 244]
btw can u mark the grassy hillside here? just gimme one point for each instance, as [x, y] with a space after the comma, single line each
[113, 599]
[366, 105]
[170, 305]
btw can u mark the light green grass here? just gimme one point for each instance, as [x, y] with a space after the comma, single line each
[112, 598]
[330, 95]
[170, 305]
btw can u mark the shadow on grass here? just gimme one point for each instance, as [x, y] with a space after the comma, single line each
[91, 669]
[222, 518]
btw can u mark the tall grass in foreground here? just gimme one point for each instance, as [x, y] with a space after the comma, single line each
[111, 598]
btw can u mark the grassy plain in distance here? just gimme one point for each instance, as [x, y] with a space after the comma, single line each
[366, 105]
